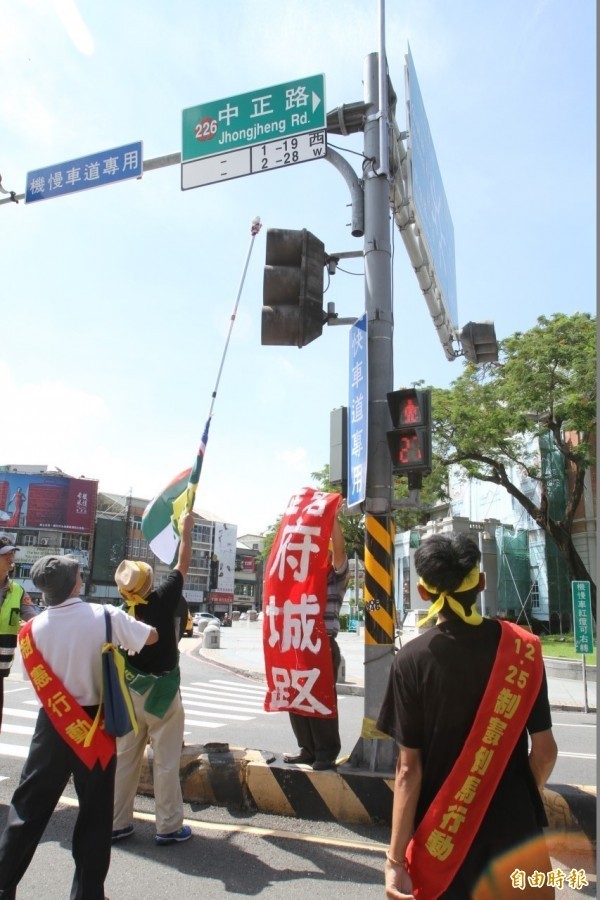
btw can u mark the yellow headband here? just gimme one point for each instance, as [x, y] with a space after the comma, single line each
[469, 581]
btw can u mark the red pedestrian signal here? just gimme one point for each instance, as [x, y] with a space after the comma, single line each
[410, 440]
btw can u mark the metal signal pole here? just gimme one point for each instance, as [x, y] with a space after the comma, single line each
[373, 751]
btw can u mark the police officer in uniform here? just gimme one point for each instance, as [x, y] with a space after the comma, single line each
[16, 607]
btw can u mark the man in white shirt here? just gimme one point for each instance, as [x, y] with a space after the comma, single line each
[66, 642]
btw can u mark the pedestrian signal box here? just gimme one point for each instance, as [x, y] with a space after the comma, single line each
[410, 439]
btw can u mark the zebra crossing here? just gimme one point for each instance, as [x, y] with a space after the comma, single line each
[218, 702]
[211, 705]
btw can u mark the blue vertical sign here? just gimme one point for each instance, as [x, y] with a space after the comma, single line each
[358, 413]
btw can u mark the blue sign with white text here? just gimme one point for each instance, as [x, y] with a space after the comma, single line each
[91, 171]
[358, 413]
[429, 198]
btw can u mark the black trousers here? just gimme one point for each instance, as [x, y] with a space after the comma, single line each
[44, 777]
[319, 738]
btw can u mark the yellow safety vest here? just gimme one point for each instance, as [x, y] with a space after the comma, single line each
[10, 609]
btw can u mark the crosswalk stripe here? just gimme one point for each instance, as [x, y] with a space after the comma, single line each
[19, 713]
[228, 716]
[245, 688]
[215, 702]
[13, 750]
[206, 705]
[220, 694]
[16, 729]
[201, 724]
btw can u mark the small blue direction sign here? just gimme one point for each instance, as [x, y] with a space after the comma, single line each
[583, 625]
[358, 413]
[86, 172]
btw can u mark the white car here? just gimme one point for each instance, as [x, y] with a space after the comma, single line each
[205, 617]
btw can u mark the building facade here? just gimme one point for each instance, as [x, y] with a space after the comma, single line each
[249, 573]
[208, 586]
[48, 512]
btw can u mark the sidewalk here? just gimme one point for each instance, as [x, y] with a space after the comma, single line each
[241, 650]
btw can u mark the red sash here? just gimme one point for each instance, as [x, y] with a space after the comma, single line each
[441, 842]
[66, 714]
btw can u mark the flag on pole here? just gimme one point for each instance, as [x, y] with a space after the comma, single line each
[160, 522]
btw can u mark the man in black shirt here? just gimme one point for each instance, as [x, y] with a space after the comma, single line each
[154, 678]
[436, 687]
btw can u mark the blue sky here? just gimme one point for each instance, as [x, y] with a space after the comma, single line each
[116, 302]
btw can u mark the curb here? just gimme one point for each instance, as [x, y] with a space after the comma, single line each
[343, 687]
[259, 781]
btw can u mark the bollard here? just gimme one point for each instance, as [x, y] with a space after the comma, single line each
[211, 638]
[341, 675]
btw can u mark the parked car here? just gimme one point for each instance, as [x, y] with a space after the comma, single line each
[205, 617]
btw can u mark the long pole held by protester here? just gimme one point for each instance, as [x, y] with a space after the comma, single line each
[160, 522]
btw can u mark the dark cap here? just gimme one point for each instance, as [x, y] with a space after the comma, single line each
[6, 545]
[55, 576]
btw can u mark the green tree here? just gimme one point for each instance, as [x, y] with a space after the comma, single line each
[494, 419]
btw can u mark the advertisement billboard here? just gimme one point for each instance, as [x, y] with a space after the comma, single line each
[47, 501]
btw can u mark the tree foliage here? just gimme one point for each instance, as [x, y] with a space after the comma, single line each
[493, 418]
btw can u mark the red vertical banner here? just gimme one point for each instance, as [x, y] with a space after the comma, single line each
[297, 655]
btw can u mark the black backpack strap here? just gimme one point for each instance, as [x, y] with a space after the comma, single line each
[108, 627]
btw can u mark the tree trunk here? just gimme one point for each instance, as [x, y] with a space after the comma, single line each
[577, 569]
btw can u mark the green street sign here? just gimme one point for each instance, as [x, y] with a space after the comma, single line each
[258, 117]
[582, 617]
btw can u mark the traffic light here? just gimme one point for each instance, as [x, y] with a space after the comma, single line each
[410, 441]
[292, 312]
[213, 579]
[478, 340]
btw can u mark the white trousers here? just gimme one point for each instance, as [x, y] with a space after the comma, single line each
[166, 737]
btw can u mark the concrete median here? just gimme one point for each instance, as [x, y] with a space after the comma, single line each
[257, 780]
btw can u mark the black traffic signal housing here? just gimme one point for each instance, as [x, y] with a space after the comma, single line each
[478, 340]
[213, 579]
[292, 313]
[410, 440]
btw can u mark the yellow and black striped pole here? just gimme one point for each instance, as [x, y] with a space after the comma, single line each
[380, 630]
[380, 608]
